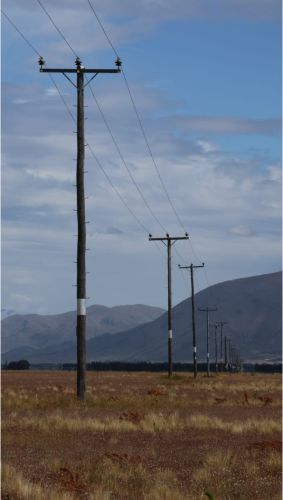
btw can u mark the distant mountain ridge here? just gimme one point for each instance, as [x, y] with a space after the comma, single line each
[252, 307]
[34, 331]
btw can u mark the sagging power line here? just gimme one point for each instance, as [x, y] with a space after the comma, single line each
[124, 162]
[140, 122]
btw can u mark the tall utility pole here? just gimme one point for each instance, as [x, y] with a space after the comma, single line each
[191, 268]
[207, 310]
[221, 324]
[81, 243]
[169, 242]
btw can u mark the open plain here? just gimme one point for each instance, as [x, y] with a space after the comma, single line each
[141, 436]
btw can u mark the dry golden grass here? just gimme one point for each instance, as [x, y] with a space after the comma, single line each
[224, 390]
[106, 480]
[16, 486]
[125, 479]
[274, 461]
[228, 475]
[151, 423]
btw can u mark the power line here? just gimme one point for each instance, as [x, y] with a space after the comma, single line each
[62, 98]
[144, 228]
[103, 29]
[124, 162]
[56, 27]
[150, 152]
[20, 33]
[146, 141]
[36, 52]
[140, 122]
[139, 222]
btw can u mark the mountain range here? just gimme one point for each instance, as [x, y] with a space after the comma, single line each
[25, 335]
[251, 307]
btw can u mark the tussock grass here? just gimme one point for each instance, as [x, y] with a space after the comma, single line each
[230, 475]
[274, 461]
[16, 486]
[130, 481]
[179, 392]
[151, 423]
[251, 425]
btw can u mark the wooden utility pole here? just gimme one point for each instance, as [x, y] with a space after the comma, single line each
[225, 353]
[229, 355]
[207, 310]
[169, 241]
[221, 324]
[81, 243]
[216, 351]
[191, 267]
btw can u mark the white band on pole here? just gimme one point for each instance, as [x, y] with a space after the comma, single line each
[195, 349]
[207, 355]
[169, 334]
[81, 307]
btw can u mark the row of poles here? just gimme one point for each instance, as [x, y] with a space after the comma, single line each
[168, 240]
[231, 360]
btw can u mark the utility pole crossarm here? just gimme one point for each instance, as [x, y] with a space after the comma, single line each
[82, 70]
[171, 238]
[189, 267]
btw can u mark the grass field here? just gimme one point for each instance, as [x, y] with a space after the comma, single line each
[141, 436]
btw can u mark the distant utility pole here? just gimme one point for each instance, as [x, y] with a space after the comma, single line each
[169, 242]
[226, 352]
[191, 268]
[221, 324]
[229, 355]
[216, 353]
[207, 310]
[81, 243]
[233, 354]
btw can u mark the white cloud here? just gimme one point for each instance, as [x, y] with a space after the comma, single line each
[227, 125]
[242, 230]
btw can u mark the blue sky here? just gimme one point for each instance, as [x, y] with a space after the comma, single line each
[206, 79]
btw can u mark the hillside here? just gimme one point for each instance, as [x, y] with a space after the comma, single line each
[251, 306]
[32, 331]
